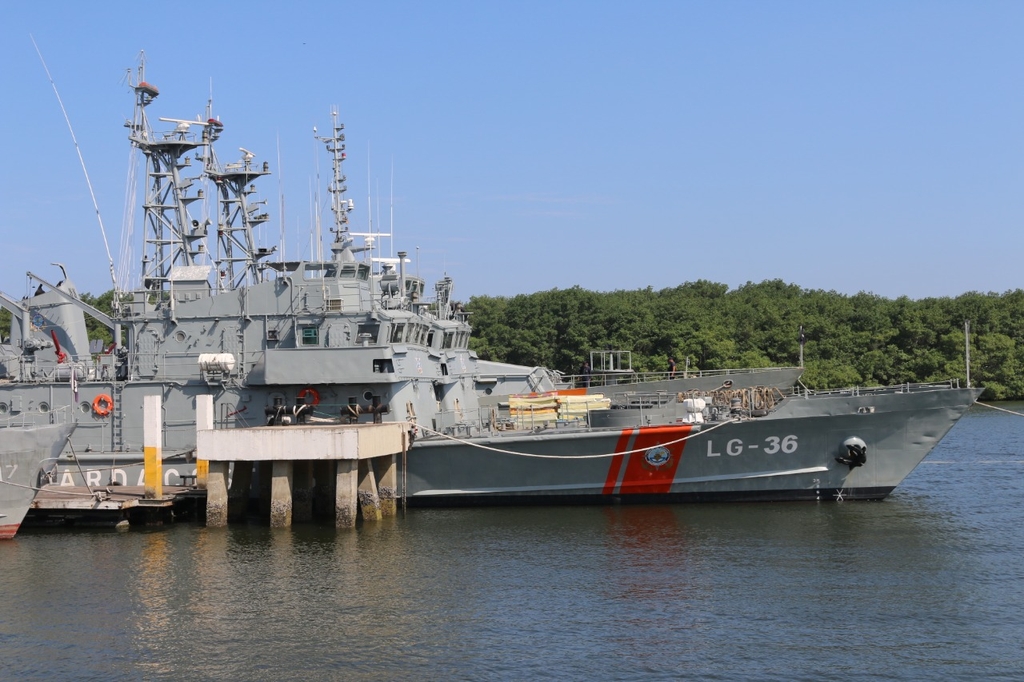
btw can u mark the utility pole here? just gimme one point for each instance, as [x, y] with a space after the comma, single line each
[802, 339]
[967, 349]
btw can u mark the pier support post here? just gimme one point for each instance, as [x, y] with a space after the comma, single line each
[152, 440]
[386, 470]
[369, 501]
[281, 494]
[302, 491]
[204, 420]
[217, 495]
[345, 496]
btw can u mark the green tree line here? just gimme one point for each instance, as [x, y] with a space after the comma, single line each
[861, 339]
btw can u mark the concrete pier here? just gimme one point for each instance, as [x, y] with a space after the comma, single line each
[348, 469]
[204, 420]
[217, 494]
[281, 494]
[152, 445]
[385, 469]
[346, 493]
[369, 500]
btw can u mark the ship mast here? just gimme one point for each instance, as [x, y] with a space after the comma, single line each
[172, 237]
[340, 206]
[237, 255]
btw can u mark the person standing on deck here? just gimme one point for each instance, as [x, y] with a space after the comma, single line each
[671, 368]
[585, 371]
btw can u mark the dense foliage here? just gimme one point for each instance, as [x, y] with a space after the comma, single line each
[860, 339]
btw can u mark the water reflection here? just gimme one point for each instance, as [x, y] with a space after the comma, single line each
[923, 584]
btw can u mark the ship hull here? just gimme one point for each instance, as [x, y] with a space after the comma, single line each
[789, 455]
[25, 452]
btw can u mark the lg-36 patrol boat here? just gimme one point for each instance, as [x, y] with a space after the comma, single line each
[355, 337]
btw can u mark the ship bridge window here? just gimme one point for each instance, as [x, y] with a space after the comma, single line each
[397, 332]
[419, 334]
[368, 333]
[448, 340]
[430, 338]
[364, 272]
[348, 271]
[310, 336]
[320, 271]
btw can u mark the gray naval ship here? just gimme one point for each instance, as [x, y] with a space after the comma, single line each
[352, 337]
[27, 451]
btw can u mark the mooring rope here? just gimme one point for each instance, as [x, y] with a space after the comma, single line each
[55, 489]
[1001, 409]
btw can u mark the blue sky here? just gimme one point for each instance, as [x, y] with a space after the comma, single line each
[859, 146]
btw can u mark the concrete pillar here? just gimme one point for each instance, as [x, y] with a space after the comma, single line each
[152, 441]
[302, 491]
[369, 500]
[238, 495]
[204, 421]
[386, 470]
[217, 495]
[324, 486]
[345, 496]
[281, 494]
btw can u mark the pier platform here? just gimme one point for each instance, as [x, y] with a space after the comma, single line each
[344, 471]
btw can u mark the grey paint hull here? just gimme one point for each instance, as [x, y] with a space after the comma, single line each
[24, 453]
[790, 455]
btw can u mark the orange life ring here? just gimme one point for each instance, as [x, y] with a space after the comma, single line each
[102, 405]
[310, 391]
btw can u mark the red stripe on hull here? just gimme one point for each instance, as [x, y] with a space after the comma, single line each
[616, 465]
[7, 532]
[651, 471]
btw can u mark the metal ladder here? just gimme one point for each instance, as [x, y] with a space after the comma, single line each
[117, 420]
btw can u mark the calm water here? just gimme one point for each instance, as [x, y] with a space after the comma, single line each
[928, 584]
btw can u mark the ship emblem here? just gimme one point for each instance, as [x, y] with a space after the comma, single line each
[657, 456]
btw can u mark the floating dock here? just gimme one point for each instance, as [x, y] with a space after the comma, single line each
[111, 505]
